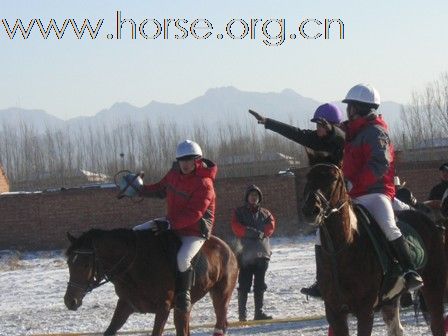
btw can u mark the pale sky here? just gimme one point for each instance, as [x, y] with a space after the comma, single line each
[398, 46]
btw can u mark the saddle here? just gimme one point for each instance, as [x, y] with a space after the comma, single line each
[392, 271]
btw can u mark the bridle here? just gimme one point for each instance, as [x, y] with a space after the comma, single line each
[99, 278]
[328, 209]
[325, 213]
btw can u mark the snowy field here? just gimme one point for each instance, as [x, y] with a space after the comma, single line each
[32, 287]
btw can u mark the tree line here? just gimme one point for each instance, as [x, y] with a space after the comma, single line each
[56, 155]
[33, 160]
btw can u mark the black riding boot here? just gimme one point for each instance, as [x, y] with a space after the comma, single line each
[412, 278]
[242, 301]
[258, 299]
[313, 290]
[184, 281]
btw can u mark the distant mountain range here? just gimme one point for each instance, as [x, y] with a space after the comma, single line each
[220, 105]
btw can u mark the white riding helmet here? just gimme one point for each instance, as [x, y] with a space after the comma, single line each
[187, 149]
[363, 93]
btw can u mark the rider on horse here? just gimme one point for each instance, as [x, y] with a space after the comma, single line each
[328, 137]
[368, 166]
[188, 188]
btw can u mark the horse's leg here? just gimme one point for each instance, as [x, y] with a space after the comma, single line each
[221, 294]
[160, 321]
[337, 322]
[121, 314]
[434, 303]
[391, 317]
[182, 323]
[365, 321]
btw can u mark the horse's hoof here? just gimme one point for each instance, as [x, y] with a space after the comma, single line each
[218, 332]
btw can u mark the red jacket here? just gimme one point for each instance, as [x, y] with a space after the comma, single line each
[190, 198]
[369, 157]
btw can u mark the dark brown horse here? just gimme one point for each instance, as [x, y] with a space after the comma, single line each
[140, 266]
[349, 273]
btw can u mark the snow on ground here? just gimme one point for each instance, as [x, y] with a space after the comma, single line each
[32, 287]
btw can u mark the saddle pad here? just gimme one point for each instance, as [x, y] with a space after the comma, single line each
[417, 249]
[416, 246]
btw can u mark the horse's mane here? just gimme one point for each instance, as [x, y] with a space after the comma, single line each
[348, 217]
[87, 238]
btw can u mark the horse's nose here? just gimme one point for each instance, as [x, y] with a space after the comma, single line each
[71, 303]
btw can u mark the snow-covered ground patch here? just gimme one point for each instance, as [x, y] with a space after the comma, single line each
[32, 287]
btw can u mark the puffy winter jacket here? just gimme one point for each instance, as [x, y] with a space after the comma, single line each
[190, 198]
[253, 225]
[369, 157]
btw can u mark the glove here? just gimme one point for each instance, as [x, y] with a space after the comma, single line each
[254, 233]
[324, 124]
[260, 118]
[160, 225]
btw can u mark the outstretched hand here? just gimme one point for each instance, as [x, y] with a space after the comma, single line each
[260, 118]
[324, 124]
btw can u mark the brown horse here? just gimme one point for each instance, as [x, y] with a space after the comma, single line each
[140, 266]
[349, 273]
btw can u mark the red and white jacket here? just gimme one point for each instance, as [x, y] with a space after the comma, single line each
[190, 198]
[369, 157]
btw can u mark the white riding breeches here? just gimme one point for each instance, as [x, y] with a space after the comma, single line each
[380, 207]
[190, 247]
[398, 205]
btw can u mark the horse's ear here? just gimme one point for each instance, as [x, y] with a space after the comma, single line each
[70, 237]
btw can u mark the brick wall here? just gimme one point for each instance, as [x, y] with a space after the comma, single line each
[420, 177]
[41, 220]
[279, 196]
[4, 183]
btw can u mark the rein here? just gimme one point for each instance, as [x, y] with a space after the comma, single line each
[329, 210]
[107, 276]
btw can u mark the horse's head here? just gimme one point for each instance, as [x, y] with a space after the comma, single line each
[81, 265]
[324, 193]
